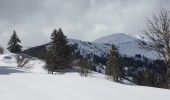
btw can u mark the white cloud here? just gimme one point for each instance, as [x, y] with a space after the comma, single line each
[34, 20]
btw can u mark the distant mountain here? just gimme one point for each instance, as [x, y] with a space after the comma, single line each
[127, 45]
[117, 38]
[99, 48]
[84, 49]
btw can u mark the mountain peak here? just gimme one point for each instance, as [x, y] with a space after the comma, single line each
[116, 38]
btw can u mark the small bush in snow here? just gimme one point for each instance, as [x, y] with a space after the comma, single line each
[22, 60]
[85, 67]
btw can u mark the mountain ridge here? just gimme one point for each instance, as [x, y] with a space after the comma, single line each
[126, 44]
[115, 38]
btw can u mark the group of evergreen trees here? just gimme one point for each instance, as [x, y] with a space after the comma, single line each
[58, 56]
[144, 71]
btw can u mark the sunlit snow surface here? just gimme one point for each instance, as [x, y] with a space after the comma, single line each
[33, 83]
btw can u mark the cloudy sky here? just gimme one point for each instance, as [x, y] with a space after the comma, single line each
[34, 20]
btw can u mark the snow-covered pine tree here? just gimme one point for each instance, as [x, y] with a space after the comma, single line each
[114, 70]
[13, 44]
[59, 53]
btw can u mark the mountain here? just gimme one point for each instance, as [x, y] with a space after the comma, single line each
[117, 38]
[99, 48]
[84, 49]
[127, 45]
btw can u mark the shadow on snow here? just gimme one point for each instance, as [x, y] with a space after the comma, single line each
[5, 70]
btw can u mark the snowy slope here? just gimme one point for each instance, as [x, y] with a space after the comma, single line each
[98, 49]
[34, 65]
[85, 48]
[127, 45]
[117, 38]
[22, 84]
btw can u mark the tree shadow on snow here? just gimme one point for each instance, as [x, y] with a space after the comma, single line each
[5, 70]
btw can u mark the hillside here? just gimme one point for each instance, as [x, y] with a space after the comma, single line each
[117, 38]
[127, 45]
[27, 84]
[99, 49]
[83, 48]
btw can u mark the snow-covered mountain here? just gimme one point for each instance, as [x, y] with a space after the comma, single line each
[126, 44]
[117, 38]
[99, 49]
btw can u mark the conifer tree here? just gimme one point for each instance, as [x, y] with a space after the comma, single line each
[13, 44]
[58, 57]
[50, 64]
[114, 69]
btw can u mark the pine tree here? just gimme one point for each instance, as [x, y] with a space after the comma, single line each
[50, 64]
[114, 69]
[59, 54]
[13, 44]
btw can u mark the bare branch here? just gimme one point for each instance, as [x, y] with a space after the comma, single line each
[158, 34]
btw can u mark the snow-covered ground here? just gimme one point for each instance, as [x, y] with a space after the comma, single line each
[30, 84]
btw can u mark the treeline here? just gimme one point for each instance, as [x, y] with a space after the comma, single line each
[139, 69]
[143, 71]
